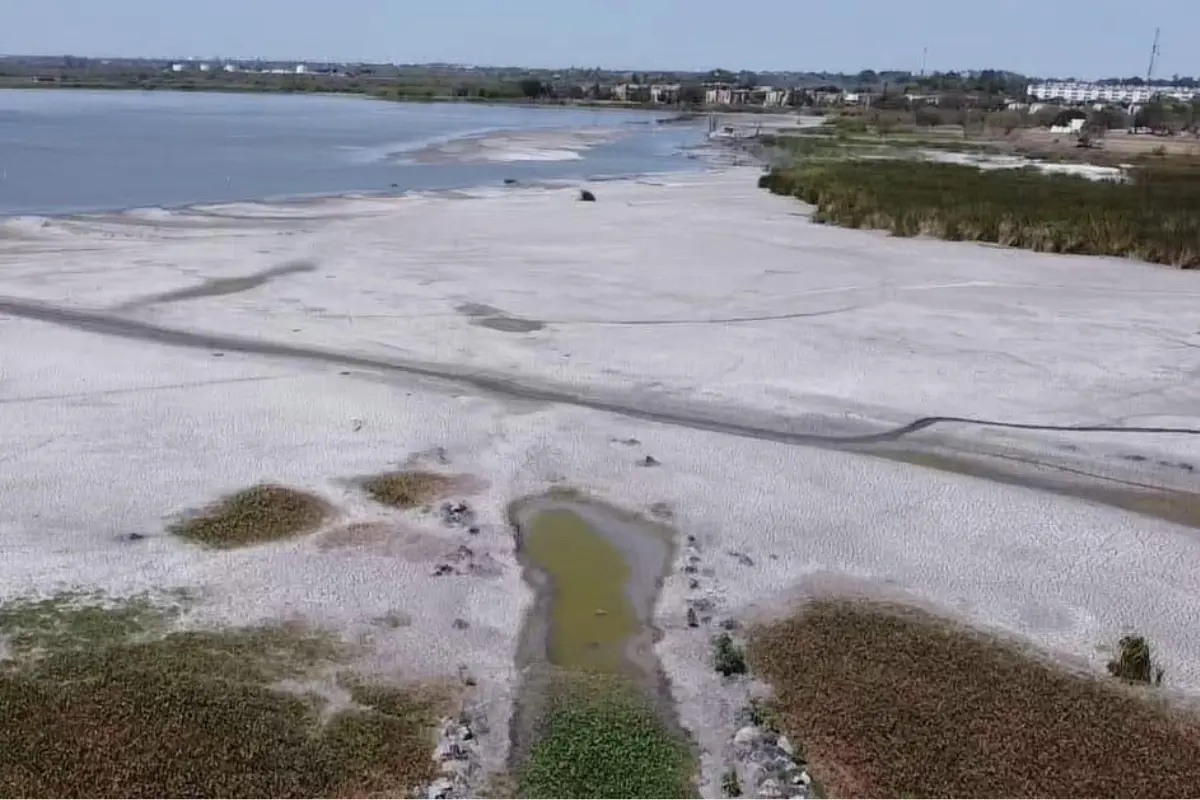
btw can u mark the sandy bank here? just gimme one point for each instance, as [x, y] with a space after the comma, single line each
[699, 293]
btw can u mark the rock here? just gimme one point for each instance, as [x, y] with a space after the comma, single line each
[747, 736]
[473, 530]
[457, 515]
[693, 621]
[730, 625]
[769, 788]
[742, 558]
[134, 537]
[784, 744]
[691, 539]
[460, 624]
[649, 461]
[586, 196]
[510, 181]
[443, 569]
[693, 583]
[440, 788]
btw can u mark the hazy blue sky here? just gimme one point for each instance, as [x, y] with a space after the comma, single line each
[1084, 38]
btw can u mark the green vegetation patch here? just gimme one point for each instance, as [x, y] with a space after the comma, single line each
[913, 705]
[1155, 216]
[77, 619]
[601, 739]
[195, 713]
[407, 488]
[263, 513]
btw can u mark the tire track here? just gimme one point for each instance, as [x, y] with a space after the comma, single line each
[675, 414]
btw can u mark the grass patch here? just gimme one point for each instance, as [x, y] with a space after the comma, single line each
[407, 488]
[1155, 216]
[198, 713]
[600, 739]
[909, 704]
[72, 620]
[263, 513]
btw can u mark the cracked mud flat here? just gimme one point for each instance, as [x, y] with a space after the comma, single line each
[742, 353]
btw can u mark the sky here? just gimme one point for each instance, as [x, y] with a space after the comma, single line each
[1048, 38]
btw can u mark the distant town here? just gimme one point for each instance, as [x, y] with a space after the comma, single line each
[990, 90]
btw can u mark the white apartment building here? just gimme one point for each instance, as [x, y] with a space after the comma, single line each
[1078, 92]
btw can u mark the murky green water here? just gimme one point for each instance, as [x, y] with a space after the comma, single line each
[591, 616]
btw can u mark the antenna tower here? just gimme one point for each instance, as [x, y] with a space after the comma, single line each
[1153, 57]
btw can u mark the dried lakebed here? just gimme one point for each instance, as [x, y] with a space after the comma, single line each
[594, 716]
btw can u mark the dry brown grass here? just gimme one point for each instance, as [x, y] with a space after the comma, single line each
[196, 714]
[407, 488]
[252, 516]
[892, 702]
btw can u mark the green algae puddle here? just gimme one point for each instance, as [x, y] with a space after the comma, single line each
[591, 617]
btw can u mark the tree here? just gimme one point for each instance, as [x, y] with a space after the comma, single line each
[691, 94]
[532, 88]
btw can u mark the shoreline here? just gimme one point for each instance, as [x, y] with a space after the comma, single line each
[745, 313]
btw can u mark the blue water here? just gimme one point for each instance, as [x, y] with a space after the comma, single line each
[65, 151]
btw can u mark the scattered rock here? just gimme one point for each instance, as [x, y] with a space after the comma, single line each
[460, 624]
[473, 530]
[457, 515]
[691, 539]
[661, 510]
[586, 196]
[742, 558]
[693, 583]
[1134, 457]
[357, 425]
[693, 620]
[730, 625]
[510, 181]
[631, 442]
[218, 355]
[133, 537]
[458, 756]
[649, 461]
[747, 736]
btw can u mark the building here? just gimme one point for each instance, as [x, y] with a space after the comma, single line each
[724, 94]
[667, 93]
[1076, 92]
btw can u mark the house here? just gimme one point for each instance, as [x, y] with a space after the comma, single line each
[631, 93]
[667, 93]
[826, 95]
[775, 97]
[724, 94]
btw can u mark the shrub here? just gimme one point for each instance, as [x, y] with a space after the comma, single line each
[1134, 663]
[728, 658]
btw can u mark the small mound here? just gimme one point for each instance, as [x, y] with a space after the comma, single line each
[891, 702]
[407, 488]
[263, 513]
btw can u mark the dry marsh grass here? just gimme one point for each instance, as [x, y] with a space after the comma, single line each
[407, 488]
[1155, 216]
[891, 702]
[259, 514]
[198, 714]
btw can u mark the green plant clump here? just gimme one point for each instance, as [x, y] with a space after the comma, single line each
[1134, 663]
[728, 658]
[1154, 216]
[605, 745]
[263, 513]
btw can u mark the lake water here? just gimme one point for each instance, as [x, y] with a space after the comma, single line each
[64, 151]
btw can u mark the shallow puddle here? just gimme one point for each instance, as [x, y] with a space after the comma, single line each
[597, 573]
[591, 616]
